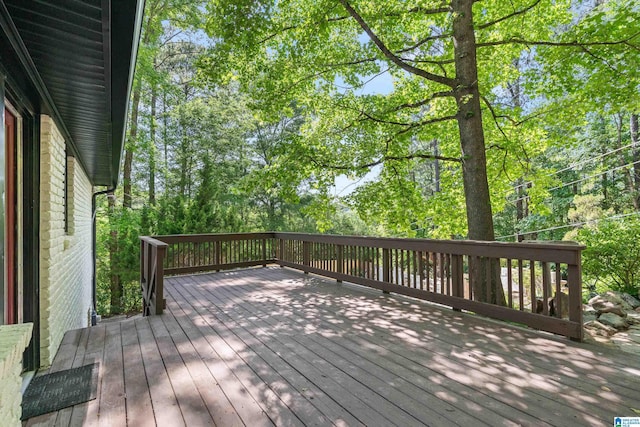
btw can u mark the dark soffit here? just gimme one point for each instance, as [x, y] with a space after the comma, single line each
[83, 52]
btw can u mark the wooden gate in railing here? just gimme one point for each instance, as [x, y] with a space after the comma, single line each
[152, 253]
[540, 283]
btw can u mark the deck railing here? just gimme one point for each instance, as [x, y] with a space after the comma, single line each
[541, 282]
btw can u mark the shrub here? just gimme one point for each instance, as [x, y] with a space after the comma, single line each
[612, 256]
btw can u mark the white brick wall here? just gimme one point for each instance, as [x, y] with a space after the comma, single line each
[13, 340]
[65, 258]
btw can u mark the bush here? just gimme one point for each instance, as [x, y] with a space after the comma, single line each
[612, 256]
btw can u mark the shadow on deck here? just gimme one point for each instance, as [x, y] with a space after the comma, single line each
[268, 346]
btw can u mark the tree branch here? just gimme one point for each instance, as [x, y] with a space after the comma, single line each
[574, 43]
[603, 60]
[423, 41]
[383, 159]
[301, 80]
[423, 102]
[511, 15]
[354, 62]
[495, 117]
[434, 11]
[430, 61]
[632, 46]
[282, 30]
[421, 10]
[369, 116]
[391, 56]
[293, 27]
[342, 18]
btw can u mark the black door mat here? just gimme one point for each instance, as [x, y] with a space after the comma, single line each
[58, 390]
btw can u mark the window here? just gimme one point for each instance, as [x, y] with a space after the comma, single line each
[69, 173]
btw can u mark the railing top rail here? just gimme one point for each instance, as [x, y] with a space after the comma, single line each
[566, 245]
[212, 237]
[153, 241]
[563, 252]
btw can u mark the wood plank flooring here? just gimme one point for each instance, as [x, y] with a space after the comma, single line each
[272, 346]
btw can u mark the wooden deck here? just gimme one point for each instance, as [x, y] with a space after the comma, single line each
[272, 346]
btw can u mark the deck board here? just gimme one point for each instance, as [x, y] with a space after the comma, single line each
[378, 406]
[219, 407]
[541, 402]
[271, 346]
[163, 396]
[138, 400]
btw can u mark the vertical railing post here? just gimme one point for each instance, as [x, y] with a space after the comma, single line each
[142, 264]
[574, 282]
[160, 302]
[144, 277]
[152, 255]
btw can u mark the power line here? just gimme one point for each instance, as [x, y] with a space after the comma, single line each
[594, 175]
[575, 224]
[583, 179]
[574, 165]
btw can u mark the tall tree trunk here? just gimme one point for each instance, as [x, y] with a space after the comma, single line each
[520, 202]
[133, 135]
[152, 148]
[165, 142]
[183, 160]
[474, 170]
[436, 165]
[184, 154]
[126, 180]
[635, 139]
[627, 173]
[522, 211]
[469, 117]
[115, 282]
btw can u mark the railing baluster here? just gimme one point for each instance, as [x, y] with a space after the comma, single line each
[509, 283]
[486, 262]
[546, 285]
[447, 271]
[558, 296]
[435, 271]
[532, 275]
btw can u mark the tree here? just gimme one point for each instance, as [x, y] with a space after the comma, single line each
[447, 62]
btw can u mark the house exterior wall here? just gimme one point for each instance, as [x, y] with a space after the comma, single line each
[13, 340]
[65, 255]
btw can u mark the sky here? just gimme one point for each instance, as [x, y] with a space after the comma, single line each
[381, 84]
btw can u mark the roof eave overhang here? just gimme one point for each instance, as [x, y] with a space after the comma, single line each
[82, 66]
[123, 70]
